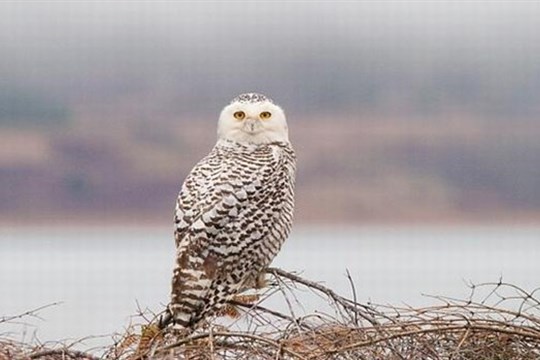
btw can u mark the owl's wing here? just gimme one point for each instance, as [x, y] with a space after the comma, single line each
[198, 191]
[212, 197]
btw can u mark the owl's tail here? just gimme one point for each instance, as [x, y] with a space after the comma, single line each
[181, 319]
[165, 319]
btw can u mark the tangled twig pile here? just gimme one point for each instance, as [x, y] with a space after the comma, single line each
[497, 321]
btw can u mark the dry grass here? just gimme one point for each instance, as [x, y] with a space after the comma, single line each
[497, 321]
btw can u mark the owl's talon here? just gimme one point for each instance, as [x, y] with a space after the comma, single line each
[261, 281]
[230, 311]
[246, 299]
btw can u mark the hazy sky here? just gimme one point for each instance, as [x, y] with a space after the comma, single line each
[59, 21]
[63, 46]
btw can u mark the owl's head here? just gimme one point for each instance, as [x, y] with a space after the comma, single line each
[253, 118]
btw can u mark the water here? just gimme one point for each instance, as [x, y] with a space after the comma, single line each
[102, 275]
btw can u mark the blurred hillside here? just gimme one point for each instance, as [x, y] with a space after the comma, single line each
[401, 112]
[366, 169]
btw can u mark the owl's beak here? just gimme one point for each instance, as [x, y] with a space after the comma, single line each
[251, 125]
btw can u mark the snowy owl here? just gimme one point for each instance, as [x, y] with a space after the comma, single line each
[234, 210]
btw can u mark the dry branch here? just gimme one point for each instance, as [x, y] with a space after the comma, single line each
[497, 321]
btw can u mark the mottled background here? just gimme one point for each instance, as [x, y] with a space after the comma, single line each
[400, 111]
[417, 128]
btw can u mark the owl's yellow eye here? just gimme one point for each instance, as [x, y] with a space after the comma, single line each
[265, 115]
[239, 115]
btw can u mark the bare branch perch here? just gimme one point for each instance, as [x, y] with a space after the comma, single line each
[497, 321]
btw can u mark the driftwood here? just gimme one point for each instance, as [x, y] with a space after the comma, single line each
[497, 321]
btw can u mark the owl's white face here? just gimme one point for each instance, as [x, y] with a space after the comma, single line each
[253, 118]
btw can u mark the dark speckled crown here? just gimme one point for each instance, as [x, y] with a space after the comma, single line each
[251, 98]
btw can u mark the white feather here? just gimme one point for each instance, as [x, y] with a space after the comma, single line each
[266, 131]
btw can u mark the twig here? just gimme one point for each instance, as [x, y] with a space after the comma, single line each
[32, 312]
[426, 331]
[353, 290]
[230, 335]
[269, 311]
[62, 352]
[346, 303]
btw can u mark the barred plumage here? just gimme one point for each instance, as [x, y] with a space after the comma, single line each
[234, 211]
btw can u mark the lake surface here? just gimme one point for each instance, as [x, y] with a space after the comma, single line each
[101, 275]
